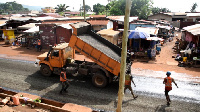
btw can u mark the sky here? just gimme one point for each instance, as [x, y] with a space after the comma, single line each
[172, 5]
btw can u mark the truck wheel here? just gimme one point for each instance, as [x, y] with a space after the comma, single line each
[45, 70]
[99, 80]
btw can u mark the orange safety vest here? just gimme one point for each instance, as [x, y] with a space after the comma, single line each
[61, 79]
[127, 80]
[39, 42]
[168, 83]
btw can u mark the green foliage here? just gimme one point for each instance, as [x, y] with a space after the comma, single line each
[156, 10]
[194, 6]
[140, 8]
[87, 8]
[98, 8]
[11, 7]
[61, 8]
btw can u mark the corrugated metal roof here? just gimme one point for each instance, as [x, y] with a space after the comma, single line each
[176, 14]
[97, 16]
[67, 26]
[165, 27]
[108, 32]
[2, 22]
[98, 22]
[149, 30]
[193, 29]
[33, 30]
[27, 26]
[121, 18]
[193, 14]
[59, 22]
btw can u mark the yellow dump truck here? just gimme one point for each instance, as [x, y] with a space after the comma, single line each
[106, 56]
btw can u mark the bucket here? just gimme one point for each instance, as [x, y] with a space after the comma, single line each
[16, 100]
[184, 59]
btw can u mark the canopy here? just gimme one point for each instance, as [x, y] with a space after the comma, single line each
[149, 30]
[138, 35]
[154, 38]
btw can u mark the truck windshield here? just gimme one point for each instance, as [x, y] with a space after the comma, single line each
[55, 53]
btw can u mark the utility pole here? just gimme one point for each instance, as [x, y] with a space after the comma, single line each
[84, 9]
[123, 56]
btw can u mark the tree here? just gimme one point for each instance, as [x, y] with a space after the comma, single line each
[194, 6]
[87, 8]
[140, 8]
[61, 8]
[98, 8]
[10, 7]
[156, 10]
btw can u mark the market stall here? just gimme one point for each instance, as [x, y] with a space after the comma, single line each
[190, 52]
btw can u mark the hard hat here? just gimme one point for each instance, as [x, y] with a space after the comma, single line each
[168, 73]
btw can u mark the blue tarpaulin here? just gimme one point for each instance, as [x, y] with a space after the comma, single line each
[138, 35]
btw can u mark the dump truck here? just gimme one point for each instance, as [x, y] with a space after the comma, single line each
[106, 56]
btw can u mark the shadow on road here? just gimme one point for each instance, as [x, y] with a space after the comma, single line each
[161, 108]
[81, 91]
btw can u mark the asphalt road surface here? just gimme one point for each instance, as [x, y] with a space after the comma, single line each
[24, 77]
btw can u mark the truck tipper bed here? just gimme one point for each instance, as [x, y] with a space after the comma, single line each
[96, 48]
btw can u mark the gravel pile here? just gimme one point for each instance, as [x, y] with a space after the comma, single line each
[100, 46]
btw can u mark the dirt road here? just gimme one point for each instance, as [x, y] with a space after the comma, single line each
[23, 76]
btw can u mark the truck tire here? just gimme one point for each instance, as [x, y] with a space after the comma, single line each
[45, 70]
[99, 80]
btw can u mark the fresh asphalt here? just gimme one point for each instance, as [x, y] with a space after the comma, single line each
[22, 76]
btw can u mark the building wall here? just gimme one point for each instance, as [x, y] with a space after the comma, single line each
[110, 25]
[160, 17]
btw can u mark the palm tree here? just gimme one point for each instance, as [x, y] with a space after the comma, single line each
[61, 8]
[194, 6]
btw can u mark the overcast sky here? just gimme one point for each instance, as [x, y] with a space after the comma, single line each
[173, 5]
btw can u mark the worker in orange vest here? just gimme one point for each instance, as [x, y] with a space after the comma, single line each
[64, 81]
[168, 86]
[38, 45]
[128, 80]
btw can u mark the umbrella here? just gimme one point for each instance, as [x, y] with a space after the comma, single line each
[134, 34]
[154, 38]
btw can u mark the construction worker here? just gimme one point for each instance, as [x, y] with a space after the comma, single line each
[38, 45]
[168, 86]
[64, 81]
[128, 79]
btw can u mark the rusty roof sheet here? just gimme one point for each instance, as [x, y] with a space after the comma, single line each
[55, 15]
[97, 16]
[27, 26]
[193, 29]
[108, 32]
[59, 22]
[98, 22]
[72, 12]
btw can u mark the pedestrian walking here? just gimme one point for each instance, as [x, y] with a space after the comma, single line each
[64, 81]
[168, 86]
[38, 45]
[128, 80]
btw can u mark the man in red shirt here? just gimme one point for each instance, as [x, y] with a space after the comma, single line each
[168, 86]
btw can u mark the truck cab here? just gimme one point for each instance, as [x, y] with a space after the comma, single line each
[52, 61]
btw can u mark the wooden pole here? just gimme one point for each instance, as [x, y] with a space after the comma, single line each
[84, 9]
[123, 56]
